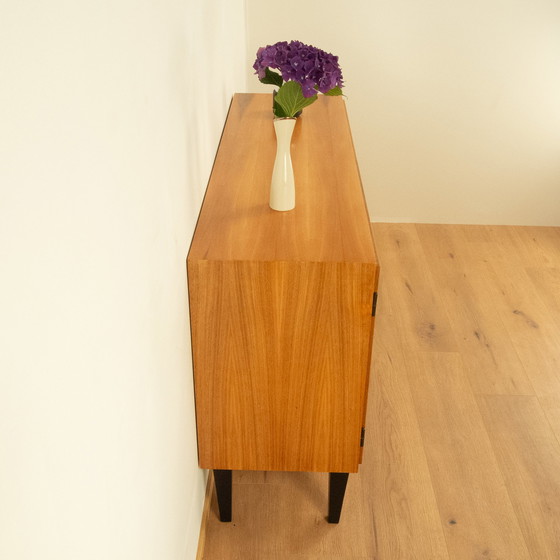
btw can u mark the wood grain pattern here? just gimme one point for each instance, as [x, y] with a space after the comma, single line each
[473, 500]
[395, 474]
[281, 356]
[420, 314]
[281, 303]
[503, 281]
[477, 516]
[330, 221]
[489, 358]
[529, 456]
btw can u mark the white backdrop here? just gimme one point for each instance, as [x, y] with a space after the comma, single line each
[111, 113]
[454, 105]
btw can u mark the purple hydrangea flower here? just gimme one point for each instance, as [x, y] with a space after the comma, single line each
[313, 68]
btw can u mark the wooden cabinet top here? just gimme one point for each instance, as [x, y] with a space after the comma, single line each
[330, 222]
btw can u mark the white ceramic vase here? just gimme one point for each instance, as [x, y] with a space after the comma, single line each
[282, 188]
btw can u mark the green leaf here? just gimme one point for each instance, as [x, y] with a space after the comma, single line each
[291, 99]
[273, 78]
[278, 111]
[334, 91]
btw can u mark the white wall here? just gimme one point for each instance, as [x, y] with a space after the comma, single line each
[110, 115]
[454, 105]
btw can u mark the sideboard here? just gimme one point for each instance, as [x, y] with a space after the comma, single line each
[282, 304]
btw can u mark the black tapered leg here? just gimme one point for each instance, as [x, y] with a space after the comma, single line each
[337, 488]
[222, 480]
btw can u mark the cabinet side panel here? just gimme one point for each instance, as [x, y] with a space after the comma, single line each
[225, 347]
[281, 359]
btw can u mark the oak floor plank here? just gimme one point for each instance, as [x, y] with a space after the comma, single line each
[529, 456]
[535, 246]
[420, 312]
[521, 245]
[546, 281]
[528, 322]
[534, 333]
[551, 407]
[489, 357]
[473, 501]
[406, 517]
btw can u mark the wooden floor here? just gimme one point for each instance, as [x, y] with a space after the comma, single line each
[462, 451]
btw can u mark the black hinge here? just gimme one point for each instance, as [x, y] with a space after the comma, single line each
[362, 437]
[374, 304]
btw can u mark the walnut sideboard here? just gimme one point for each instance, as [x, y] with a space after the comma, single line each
[282, 304]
